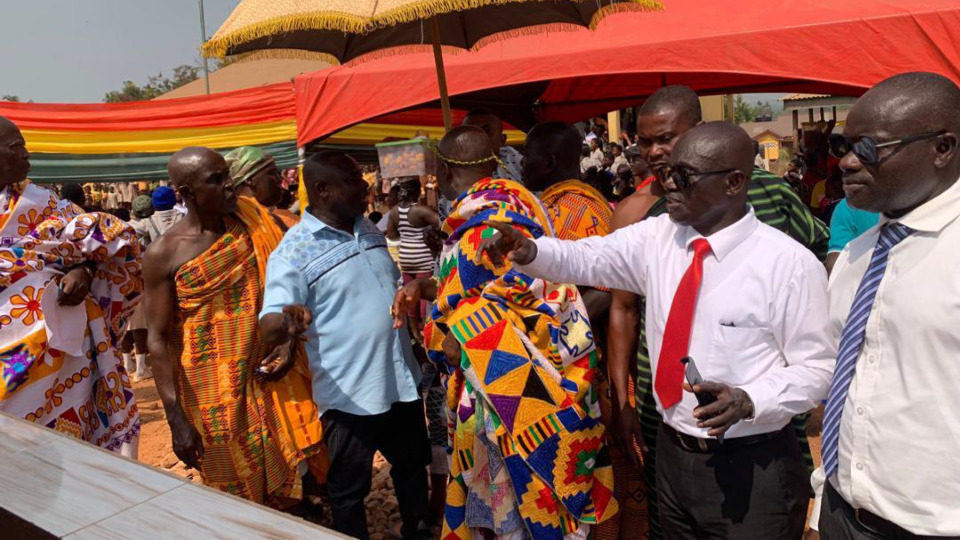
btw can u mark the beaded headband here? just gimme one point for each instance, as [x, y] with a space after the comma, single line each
[475, 162]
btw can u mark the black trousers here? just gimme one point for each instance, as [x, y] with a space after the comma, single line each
[400, 434]
[755, 492]
[839, 522]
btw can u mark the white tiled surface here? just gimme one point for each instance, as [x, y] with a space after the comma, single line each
[190, 512]
[79, 492]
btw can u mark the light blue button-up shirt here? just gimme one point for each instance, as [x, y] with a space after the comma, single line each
[359, 363]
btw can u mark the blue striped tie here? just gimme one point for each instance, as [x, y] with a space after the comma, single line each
[851, 341]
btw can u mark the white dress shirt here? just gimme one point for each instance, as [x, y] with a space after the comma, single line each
[760, 322]
[899, 453]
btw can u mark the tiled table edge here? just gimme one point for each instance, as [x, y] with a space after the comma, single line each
[49, 436]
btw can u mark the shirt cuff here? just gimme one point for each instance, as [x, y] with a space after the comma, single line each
[546, 254]
[764, 401]
[817, 479]
[267, 310]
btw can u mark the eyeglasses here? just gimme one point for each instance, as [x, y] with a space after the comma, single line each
[867, 149]
[681, 176]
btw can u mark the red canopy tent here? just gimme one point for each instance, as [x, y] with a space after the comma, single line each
[728, 46]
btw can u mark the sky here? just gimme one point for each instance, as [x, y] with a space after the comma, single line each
[75, 51]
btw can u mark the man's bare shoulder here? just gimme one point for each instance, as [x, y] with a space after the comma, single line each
[632, 209]
[174, 248]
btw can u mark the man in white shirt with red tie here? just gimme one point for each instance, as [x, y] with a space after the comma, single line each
[748, 304]
[891, 429]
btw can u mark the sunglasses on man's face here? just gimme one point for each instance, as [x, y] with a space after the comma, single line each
[682, 177]
[867, 149]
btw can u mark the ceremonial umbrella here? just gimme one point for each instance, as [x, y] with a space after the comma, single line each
[344, 30]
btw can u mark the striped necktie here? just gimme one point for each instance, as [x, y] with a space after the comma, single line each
[851, 340]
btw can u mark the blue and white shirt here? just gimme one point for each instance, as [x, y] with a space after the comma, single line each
[359, 364]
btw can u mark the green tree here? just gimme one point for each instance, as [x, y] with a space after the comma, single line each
[13, 98]
[743, 111]
[156, 85]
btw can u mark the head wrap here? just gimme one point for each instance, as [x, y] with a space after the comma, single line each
[142, 206]
[245, 162]
[164, 198]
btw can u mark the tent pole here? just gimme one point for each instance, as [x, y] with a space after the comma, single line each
[441, 73]
[203, 39]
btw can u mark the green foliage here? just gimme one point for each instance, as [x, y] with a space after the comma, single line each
[12, 98]
[156, 85]
[744, 112]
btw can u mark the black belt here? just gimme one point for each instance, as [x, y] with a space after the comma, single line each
[883, 527]
[712, 445]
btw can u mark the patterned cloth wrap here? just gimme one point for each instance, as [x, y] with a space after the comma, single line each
[255, 434]
[83, 391]
[528, 459]
[578, 210]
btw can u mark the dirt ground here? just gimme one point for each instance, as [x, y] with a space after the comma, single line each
[382, 517]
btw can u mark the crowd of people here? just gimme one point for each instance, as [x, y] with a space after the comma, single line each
[573, 340]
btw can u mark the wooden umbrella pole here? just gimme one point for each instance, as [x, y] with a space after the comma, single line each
[441, 73]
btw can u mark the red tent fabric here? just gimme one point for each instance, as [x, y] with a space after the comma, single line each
[268, 103]
[723, 46]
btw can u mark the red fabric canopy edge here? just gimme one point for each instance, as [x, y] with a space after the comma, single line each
[239, 107]
[728, 46]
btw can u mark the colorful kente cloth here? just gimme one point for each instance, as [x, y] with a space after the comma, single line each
[528, 457]
[255, 434]
[60, 368]
[577, 210]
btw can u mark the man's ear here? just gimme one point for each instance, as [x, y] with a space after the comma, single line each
[737, 182]
[946, 149]
[503, 139]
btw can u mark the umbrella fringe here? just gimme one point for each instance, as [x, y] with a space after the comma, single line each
[285, 54]
[219, 46]
[526, 31]
[624, 7]
[401, 50]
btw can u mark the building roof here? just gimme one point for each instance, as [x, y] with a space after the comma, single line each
[781, 126]
[248, 74]
[797, 97]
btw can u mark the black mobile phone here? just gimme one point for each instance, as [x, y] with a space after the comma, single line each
[694, 378]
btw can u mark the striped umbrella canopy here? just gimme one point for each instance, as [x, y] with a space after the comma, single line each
[344, 30]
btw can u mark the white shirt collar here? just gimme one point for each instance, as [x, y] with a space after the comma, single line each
[727, 239]
[933, 215]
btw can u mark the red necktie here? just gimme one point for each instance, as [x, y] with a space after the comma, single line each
[676, 335]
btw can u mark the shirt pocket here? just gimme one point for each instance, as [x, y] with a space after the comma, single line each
[737, 353]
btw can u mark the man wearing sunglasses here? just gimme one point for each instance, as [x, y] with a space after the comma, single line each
[664, 117]
[742, 299]
[891, 437]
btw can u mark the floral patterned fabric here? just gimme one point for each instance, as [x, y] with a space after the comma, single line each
[83, 392]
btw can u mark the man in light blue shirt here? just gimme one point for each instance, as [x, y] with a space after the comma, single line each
[332, 282]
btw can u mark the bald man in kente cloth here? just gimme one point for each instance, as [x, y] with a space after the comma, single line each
[528, 458]
[241, 414]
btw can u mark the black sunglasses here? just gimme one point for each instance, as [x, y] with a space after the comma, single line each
[680, 176]
[867, 149]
